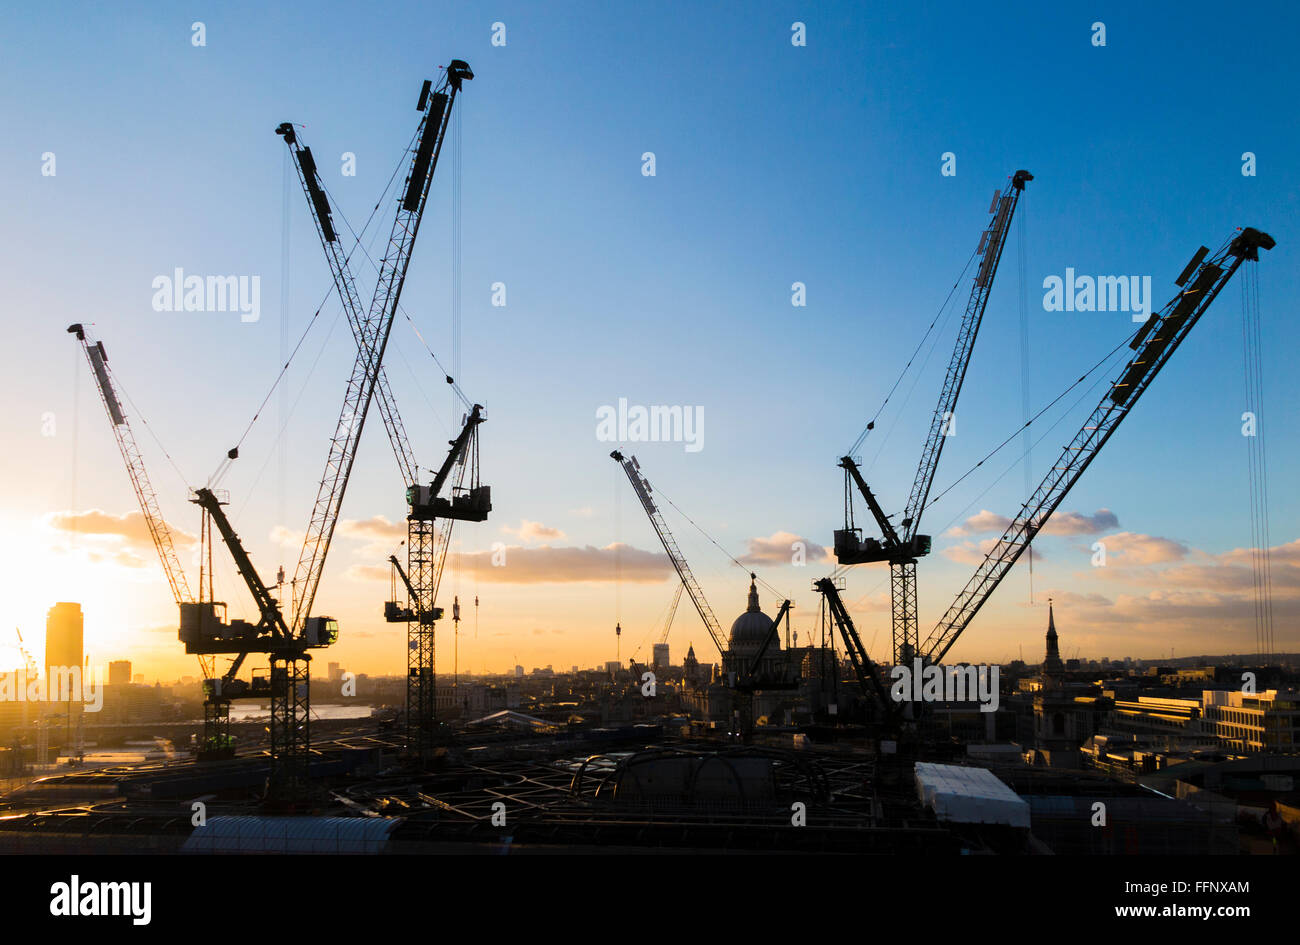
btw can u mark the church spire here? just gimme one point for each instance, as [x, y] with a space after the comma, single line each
[1052, 664]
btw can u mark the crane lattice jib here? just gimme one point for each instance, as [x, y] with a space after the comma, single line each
[345, 285]
[642, 489]
[991, 244]
[1154, 343]
[374, 333]
[144, 491]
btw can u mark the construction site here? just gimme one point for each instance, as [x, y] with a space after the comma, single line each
[755, 743]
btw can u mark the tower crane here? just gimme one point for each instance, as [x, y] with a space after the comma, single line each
[428, 536]
[641, 486]
[672, 612]
[204, 628]
[426, 543]
[290, 677]
[902, 546]
[145, 494]
[419, 610]
[744, 675]
[203, 625]
[662, 638]
[1154, 343]
[29, 664]
[372, 334]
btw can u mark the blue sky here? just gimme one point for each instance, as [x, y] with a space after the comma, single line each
[774, 164]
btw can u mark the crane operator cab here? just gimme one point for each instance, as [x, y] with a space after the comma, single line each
[852, 548]
[465, 505]
[320, 631]
[205, 629]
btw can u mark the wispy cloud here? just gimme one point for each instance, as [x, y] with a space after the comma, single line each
[1061, 523]
[974, 552]
[517, 564]
[377, 527]
[1079, 523]
[780, 547]
[533, 531]
[130, 528]
[1133, 548]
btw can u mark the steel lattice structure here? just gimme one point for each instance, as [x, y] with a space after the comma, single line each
[1154, 345]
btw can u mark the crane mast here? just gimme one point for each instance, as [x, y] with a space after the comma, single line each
[428, 536]
[641, 486]
[1154, 344]
[901, 549]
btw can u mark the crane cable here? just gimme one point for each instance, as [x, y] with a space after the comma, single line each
[455, 130]
[1059, 397]
[841, 569]
[282, 446]
[76, 425]
[280, 433]
[449, 375]
[871, 424]
[154, 436]
[618, 550]
[1089, 392]
[736, 561]
[224, 466]
[1256, 463]
[1024, 376]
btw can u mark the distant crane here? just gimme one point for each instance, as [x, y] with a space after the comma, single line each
[28, 663]
[667, 624]
[672, 612]
[42, 730]
[745, 676]
[641, 486]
